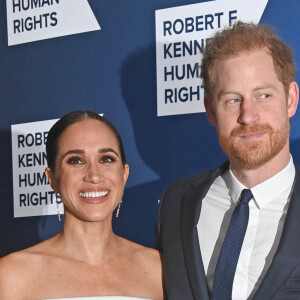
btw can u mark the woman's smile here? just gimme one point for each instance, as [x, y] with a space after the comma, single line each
[89, 171]
[95, 197]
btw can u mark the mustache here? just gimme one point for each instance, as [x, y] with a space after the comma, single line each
[265, 128]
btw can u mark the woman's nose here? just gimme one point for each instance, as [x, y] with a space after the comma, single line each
[93, 174]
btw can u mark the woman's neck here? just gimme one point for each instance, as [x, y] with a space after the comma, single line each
[92, 242]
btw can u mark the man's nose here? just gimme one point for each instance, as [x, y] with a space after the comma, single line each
[248, 112]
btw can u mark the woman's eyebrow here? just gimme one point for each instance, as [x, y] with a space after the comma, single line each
[105, 150]
[74, 151]
[80, 151]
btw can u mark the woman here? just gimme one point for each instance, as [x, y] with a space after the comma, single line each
[87, 167]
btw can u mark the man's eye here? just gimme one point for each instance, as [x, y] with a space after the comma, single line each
[233, 100]
[107, 159]
[265, 96]
[74, 160]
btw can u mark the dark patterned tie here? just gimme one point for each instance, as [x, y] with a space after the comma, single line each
[231, 248]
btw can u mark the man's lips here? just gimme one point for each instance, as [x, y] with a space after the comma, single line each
[251, 135]
[252, 132]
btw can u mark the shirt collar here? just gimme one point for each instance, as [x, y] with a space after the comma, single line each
[264, 192]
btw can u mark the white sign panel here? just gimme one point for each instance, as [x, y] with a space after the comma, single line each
[33, 20]
[181, 34]
[33, 195]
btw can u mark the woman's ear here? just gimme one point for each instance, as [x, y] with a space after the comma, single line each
[126, 173]
[51, 178]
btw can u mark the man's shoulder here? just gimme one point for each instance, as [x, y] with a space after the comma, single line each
[188, 182]
[297, 177]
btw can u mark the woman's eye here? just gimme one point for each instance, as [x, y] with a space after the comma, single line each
[107, 159]
[74, 160]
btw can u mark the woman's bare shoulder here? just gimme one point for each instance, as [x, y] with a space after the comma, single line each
[17, 262]
[147, 259]
[19, 268]
[139, 251]
[13, 273]
[146, 262]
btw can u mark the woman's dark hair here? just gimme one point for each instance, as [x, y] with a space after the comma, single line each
[62, 124]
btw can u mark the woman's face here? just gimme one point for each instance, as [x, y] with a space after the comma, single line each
[89, 174]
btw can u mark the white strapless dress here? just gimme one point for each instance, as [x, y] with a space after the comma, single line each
[101, 298]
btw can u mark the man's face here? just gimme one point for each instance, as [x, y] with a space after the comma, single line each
[250, 109]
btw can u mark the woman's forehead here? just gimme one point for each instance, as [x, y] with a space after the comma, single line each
[88, 132]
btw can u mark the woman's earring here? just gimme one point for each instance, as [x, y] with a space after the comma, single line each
[118, 209]
[57, 203]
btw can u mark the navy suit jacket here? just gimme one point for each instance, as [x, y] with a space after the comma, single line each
[177, 239]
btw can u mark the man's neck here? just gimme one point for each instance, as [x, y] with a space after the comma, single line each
[253, 177]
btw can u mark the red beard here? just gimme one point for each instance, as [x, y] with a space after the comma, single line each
[251, 154]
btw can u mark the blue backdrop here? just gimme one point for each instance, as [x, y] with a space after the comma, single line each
[113, 71]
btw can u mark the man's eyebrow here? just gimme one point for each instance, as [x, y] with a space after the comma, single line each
[266, 85]
[227, 92]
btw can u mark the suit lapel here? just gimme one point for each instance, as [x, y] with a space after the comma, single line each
[287, 255]
[285, 259]
[191, 208]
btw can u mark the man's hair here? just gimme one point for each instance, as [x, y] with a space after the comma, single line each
[247, 37]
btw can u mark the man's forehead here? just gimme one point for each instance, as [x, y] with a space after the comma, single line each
[232, 65]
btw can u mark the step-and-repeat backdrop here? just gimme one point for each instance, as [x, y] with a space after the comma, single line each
[133, 61]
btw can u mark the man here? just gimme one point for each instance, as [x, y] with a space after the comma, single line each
[218, 242]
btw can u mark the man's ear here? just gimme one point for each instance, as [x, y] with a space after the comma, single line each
[210, 113]
[293, 98]
[51, 178]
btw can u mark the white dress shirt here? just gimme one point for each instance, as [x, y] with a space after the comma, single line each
[267, 212]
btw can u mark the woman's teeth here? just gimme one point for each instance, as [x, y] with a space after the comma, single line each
[93, 194]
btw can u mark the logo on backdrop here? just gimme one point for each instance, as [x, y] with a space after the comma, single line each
[33, 195]
[34, 20]
[181, 34]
